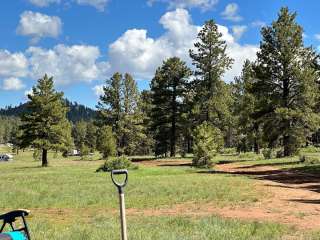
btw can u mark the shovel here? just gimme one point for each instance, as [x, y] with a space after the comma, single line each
[120, 187]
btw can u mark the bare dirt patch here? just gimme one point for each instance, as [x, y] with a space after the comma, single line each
[293, 197]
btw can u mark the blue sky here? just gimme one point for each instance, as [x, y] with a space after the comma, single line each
[82, 42]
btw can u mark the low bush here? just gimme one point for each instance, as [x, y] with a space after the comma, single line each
[309, 159]
[117, 163]
[310, 149]
[269, 153]
[250, 156]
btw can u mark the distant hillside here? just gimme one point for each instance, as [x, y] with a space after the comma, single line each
[77, 112]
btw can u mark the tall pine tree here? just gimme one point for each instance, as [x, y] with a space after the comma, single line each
[211, 61]
[168, 89]
[45, 126]
[119, 108]
[285, 85]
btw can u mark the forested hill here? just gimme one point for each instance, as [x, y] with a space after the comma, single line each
[77, 112]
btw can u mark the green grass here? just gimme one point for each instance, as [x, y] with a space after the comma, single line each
[69, 200]
[76, 184]
[160, 228]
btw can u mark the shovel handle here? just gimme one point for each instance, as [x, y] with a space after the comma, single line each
[120, 172]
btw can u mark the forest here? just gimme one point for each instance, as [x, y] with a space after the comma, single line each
[272, 107]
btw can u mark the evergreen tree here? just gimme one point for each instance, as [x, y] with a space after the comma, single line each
[119, 108]
[244, 107]
[109, 106]
[91, 136]
[211, 62]
[168, 89]
[79, 132]
[106, 143]
[285, 85]
[45, 127]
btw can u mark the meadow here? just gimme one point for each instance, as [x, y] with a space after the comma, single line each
[70, 200]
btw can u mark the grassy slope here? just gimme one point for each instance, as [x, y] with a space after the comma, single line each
[71, 201]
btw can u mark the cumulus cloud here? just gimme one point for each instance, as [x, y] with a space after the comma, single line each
[12, 84]
[98, 90]
[231, 13]
[13, 64]
[43, 3]
[37, 26]
[172, 4]
[135, 52]
[98, 4]
[139, 54]
[67, 64]
[238, 31]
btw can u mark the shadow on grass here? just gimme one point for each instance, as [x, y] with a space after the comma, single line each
[296, 176]
[233, 161]
[176, 165]
[270, 164]
[310, 201]
[30, 167]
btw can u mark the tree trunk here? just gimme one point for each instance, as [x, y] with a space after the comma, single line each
[44, 158]
[256, 140]
[173, 123]
[256, 146]
[286, 146]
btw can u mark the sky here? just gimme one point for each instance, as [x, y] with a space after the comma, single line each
[81, 43]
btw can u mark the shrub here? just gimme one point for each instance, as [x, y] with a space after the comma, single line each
[268, 153]
[249, 155]
[106, 143]
[84, 151]
[117, 163]
[310, 149]
[208, 141]
[309, 159]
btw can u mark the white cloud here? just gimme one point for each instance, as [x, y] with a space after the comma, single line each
[37, 26]
[28, 92]
[98, 90]
[202, 4]
[98, 4]
[13, 64]
[43, 3]
[258, 24]
[139, 54]
[231, 13]
[317, 36]
[67, 64]
[238, 31]
[12, 84]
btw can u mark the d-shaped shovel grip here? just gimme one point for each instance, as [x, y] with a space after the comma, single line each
[120, 186]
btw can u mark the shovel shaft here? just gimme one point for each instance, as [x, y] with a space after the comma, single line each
[123, 217]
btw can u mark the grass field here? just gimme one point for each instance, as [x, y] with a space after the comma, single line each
[69, 200]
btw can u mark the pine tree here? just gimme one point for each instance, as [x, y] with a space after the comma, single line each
[244, 107]
[91, 136]
[79, 132]
[45, 126]
[106, 142]
[168, 89]
[211, 62]
[119, 108]
[285, 86]
[109, 106]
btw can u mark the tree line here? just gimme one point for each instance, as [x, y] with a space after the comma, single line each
[274, 103]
